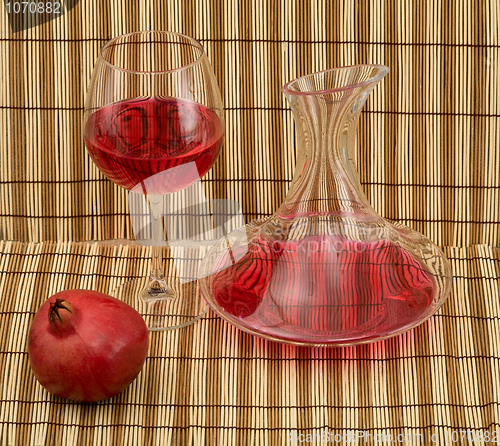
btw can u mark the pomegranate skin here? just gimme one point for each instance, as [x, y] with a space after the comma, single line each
[92, 351]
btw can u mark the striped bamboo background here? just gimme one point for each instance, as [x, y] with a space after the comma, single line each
[429, 134]
[429, 157]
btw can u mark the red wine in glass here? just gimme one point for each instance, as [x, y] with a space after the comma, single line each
[131, 141]
[341, 288]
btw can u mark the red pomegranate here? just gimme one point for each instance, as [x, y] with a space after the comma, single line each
[86, 346]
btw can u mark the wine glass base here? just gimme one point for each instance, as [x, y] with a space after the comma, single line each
[177, 306]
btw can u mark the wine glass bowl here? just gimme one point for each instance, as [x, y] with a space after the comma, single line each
[153, 124]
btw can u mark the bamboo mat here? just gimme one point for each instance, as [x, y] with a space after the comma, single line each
[429, 156]
[213, 384]
[429, 150]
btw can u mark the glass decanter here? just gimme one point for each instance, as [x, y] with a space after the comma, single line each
[326, 269]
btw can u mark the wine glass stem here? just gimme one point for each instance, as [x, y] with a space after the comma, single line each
[157, 236]
[157, 264]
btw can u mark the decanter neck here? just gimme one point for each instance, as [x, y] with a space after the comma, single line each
[326, 108]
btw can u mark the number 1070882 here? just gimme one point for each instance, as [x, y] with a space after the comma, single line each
[33, 7]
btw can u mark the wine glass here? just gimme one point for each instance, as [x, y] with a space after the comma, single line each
[153, 124]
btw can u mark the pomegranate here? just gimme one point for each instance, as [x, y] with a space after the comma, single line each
[86, 346]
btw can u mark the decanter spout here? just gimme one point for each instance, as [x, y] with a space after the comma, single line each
[326, 108]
